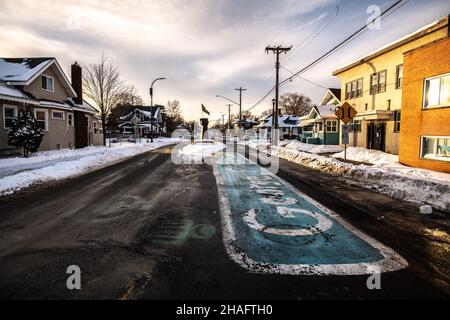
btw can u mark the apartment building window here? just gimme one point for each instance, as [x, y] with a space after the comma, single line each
[354, 89]
[437, 91]
[57, 115]
[41, 118]
[435, 148]
[397, 118]
[9, 114]
[399, 77]
[47, 83]
[355, 126]
[378, 82]
[331, 125]
[70, 119]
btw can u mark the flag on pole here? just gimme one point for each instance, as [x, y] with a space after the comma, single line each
[205, 110]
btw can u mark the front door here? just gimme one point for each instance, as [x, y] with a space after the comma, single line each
[376, 136]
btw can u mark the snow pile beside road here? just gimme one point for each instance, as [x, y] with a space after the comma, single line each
[200, 150]
[370, 156]
[397, 181]
[18, 173]
[312, 148]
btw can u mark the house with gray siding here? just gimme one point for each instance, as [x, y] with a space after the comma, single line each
[41, 86]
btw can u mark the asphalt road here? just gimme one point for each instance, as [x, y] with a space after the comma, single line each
[149, 229]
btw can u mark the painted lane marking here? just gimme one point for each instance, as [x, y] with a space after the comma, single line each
[323, 224]
[318, 243]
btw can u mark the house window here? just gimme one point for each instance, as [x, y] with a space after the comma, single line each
[331, 125]
[397, 117]
[95, 127]
[41, 118]
[435, 148]
[399, 77]
[378, 82]
[9, 114]
[437, 91]
[70, 119]
[354, 89]
[320, 127]
[47, 83]
[57, 115]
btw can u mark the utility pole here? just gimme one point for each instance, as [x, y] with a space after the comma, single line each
[229, 116]
[277, 51]
[240, 104]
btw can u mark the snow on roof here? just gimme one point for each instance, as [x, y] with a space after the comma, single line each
[152, 112]
[284, 121]
[392, 44]
[88, 106]
[21, 69]
[11, 91]
[327, 111]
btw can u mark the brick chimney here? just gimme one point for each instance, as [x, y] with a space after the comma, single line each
[77, 82]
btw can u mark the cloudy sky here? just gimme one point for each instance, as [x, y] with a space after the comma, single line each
[206, 47]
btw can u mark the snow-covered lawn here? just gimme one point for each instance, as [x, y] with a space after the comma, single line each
[386, 175]
[18, 173]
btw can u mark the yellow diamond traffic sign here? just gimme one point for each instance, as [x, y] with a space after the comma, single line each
[346, 113]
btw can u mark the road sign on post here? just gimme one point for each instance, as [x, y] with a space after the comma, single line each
[135, 121]
[345, 113]
[345, 134]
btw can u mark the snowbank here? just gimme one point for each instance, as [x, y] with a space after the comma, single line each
[390, 178]
[202, 149]
[370, 156]
[18, 173]
[312, 148]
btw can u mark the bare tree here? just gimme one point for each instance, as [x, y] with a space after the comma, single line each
[295, 104]
[266, 113]
[172, 115]
[248, 115]
[130, 97]
[102, 84]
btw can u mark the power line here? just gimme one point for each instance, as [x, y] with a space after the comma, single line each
[328, 53]
[306, 41]
[346, 41]
[304, 79]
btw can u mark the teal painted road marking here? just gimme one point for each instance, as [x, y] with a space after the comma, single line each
[271, 227]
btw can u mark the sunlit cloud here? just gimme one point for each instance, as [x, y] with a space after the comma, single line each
[202, 47]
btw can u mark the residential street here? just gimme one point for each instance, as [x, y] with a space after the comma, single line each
[147, 228]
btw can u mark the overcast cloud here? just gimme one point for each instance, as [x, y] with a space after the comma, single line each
[204, 47]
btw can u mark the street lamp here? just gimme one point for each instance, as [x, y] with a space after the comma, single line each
[234, 102]
[151, 89]
[152, 120]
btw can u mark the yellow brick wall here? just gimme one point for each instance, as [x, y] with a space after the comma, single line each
[428, 61]
[389, 62]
